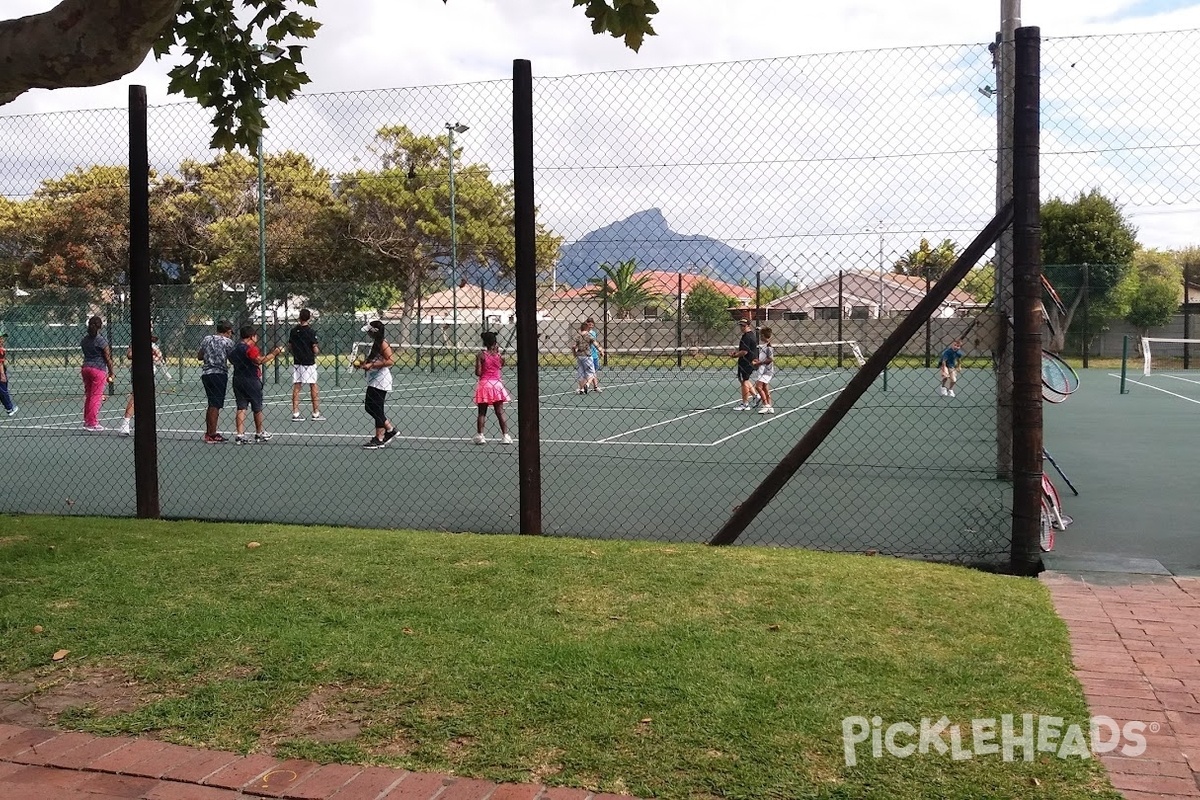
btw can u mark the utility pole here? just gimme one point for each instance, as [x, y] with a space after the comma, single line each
[1003, 59]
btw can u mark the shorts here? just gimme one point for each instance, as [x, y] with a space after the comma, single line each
[744, 371]
[950, 373]
[304, 373]
[760, 378]
[584, 367]
[215, 384]
[248, 394]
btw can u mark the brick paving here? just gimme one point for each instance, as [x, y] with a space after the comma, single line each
[38, 764]
[1136, 648]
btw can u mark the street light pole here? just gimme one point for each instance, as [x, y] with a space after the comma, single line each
[452, 129]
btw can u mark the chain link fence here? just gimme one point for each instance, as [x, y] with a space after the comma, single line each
[811, 195]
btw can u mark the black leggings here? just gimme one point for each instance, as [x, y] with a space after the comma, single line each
[374, 406]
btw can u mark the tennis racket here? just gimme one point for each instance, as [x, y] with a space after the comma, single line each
[358, 354]
[1058, 376]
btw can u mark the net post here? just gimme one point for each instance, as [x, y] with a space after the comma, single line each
[419, 339]
[337, 367]
[1124, 361]
[679, 320]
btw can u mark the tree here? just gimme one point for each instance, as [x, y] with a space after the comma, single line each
[708, 307]
[399, 215]
[927, 260]
[232, 49]
[1157, 292]
[1090, 230]
[625, 293]
[980, 283]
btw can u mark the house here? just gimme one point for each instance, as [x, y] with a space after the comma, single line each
[582, 303]
[865, 295]
[471, 304]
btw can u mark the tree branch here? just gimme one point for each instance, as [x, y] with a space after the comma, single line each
[79, 43]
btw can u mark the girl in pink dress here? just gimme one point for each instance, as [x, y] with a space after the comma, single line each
[490, 390]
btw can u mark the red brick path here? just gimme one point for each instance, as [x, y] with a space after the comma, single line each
[1137, 653]
[40, 764]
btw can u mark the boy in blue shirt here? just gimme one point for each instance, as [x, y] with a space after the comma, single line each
[948, 365]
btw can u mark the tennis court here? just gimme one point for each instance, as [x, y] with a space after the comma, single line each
[1134, 459]
[660, 453]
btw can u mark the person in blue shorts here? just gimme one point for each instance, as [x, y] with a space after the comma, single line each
[214, 374]
[596, 352]
[247, 382]
[948, 367]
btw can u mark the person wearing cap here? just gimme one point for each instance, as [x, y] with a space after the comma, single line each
[746, 353]
[378, 368]
[5, 397]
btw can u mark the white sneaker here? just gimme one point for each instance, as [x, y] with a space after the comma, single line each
[950, 393]
[14, 410]
[124, 431]
[766, 410]
[479, 439]
[318, 417]
[941, 391]
[506, 440]
[93, 428]
[297, 417]
[741, 407]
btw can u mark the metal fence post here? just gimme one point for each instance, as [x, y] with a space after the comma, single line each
[145, 434]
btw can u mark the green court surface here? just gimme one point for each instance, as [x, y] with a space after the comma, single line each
[660, 454]
[1135, 459]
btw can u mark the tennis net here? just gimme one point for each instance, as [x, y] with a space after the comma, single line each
[1169, 354]
[788, 355]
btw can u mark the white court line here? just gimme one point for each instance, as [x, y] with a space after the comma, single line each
[1155, 388]
[706, 410]
[774, 417]
[1178, 378]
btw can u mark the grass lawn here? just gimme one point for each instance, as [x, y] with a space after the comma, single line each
[661, 671]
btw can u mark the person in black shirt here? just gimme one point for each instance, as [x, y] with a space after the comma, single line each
[303, 344]
[746, 353]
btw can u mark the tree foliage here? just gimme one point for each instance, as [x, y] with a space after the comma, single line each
[378, 233]
[1156, 292]
[625, 293]
[232, 50]
[1089, 230]
[707, 307]
[928, 260]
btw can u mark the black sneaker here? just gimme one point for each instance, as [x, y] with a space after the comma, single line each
[372, 444]
[262, 437]
[240, 440]
[389, 435]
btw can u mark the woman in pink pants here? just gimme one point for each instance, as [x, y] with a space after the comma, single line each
[97, 372]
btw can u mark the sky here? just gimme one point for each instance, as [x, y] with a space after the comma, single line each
[384, 44]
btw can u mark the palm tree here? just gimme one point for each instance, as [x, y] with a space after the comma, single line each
[625, 293]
